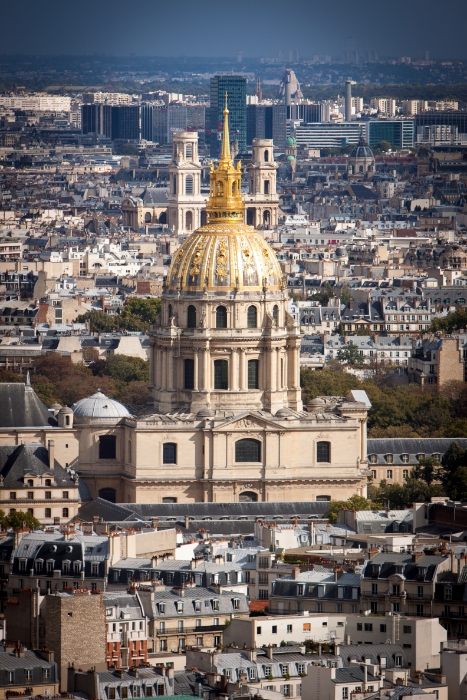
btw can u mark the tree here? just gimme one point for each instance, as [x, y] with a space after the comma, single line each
[123, 368]
[139, 314]
[455, 321]
[126, 149]
[427, 469]
[382, 147]
[350, 355]
[19, 519]
[134, 393]
[355, 502]
[404, 495]
[346, 296]
[99, 321]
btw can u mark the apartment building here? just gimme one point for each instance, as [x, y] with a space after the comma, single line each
[181, 617]
[272, 631]
[27, 673]
[317, 592]
[127, 630]
[438, 361]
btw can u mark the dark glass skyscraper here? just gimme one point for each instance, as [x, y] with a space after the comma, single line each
[235, 86]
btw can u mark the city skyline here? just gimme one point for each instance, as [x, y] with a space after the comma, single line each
[259, 29]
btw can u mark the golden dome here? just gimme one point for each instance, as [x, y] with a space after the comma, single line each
[225, 254]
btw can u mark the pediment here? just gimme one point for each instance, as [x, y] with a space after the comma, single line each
[248, 421]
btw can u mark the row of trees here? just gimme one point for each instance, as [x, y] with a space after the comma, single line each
[397, 411]
[56, 379]
[138, 315]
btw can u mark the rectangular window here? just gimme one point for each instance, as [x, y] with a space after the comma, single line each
[274, 629]
[189, 374]
[221, 375]
[382, 628]
[389, 474]
[345, 693]
[107, 447]
[407, 629]
[368, 627]
[48, 495]
[289, 629]
[30, 495]
[65, 495]
[253, 374]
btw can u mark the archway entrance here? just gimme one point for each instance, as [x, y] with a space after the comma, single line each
[266, 217]
[189, 221]
[248, 497]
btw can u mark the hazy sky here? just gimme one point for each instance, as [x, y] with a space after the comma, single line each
[221, 28]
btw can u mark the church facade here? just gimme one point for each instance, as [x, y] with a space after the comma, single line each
[225, 421]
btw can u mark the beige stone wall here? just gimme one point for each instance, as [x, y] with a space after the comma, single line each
[450, 362]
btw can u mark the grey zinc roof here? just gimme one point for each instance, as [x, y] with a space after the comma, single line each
[347, 652]
[412, 446]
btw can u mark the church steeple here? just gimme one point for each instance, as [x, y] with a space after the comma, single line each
[225, 200]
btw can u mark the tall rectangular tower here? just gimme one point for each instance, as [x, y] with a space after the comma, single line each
[235, 86]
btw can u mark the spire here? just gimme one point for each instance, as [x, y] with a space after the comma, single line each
[225, 152]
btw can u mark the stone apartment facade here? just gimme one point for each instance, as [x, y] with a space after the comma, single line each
[437, 362]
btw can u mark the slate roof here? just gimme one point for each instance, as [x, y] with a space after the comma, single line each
[20, 407]
[384, 565]
[408, 446]
[18, 460]
[347, 652]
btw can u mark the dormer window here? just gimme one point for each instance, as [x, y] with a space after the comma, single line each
[389, 459]
[405, 458]
[420, 456]
[373, 459]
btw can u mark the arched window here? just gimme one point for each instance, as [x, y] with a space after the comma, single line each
[253, 381]
[67, 420]
[170, 312]
[189, 220]
[275, 315]
[234, 187]
[373, 459]
[248, 497]
[174, 185]
[266, 156]
[389, 459]
[189, 150]
[248, 450]
[221, 374]
[266, 217]
[108, 494]
[221, 317]
[189, 374]
[266, 187]
[189, 184]
[169, 453]
[252, 316]
[147, 218]
[323, 452]
[30, 483]
[48, 482]
[191, 317]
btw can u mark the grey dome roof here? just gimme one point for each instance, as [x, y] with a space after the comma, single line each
[99, 406]
[362, 150]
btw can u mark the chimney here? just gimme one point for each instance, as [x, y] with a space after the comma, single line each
[416, 556]
[51, 454]
[373, 552]
[269, 651]
[295, 572]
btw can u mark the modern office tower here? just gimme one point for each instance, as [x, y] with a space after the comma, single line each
[456, 120]
[196, 121]
[168, 119]
[267, 122]
[328, 135]
[398, 132]
[315, 113]
[122, 122]
[348, 100]
[235, 86]
[91, 119]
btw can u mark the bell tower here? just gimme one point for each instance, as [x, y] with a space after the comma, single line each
[186, 203]
[262, 202]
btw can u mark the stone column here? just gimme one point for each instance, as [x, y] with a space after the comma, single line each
[195, 370]
[170, 369]
[234, 370]
[272, 368]
[278, 367]
[242, 369]
[206, 377]
[163, 384]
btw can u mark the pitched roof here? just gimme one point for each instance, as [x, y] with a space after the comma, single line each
[20, 407]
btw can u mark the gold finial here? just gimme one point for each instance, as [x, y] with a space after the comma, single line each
[225, 151]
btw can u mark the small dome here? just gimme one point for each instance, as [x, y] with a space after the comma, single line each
[290, 141]
[290, 157]
[284, 413]
[56, 406]
[99, 406]
[66, 409]
[316, 402]
[362, 150]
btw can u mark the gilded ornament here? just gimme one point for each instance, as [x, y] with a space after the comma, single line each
[196, 261]
[221, 262]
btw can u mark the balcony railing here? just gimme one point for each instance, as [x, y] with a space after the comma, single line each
[169, 631]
